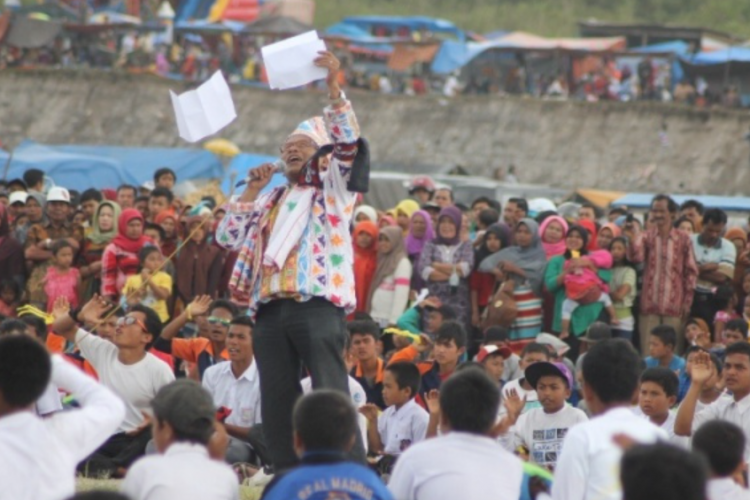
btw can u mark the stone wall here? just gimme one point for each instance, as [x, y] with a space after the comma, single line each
[567, 144]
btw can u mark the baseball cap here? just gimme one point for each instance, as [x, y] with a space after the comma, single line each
[597, 331]
[538, 370]
[18, 197]
[187, 407]
[487, 350]
[560, 346]
[422, 182]
[430, 205]
[58, 193]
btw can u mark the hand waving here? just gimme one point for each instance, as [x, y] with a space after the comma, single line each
[200, 305]
[514, 403]
[94, 309]
[432, 399]
[61, 307]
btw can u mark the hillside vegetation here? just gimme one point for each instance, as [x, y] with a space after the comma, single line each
[550, 17]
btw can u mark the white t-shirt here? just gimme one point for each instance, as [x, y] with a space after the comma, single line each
[727, 409]
[668, 427]
[532, 400]
[135, 384]
[184, 471]
[357, 392]
[38, 456]
[588, 466]
[402, 427]
[543, 433]
[49, 402]
[457, 465]
[241, 395]
[726, 489]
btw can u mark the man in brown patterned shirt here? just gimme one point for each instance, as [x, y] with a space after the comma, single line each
[42, 237]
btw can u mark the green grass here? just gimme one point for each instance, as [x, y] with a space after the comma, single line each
[549, 17]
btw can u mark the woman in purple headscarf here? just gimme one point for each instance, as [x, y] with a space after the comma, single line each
[446, 263]
[420, 232]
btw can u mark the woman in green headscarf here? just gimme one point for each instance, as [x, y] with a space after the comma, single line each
[103, 229]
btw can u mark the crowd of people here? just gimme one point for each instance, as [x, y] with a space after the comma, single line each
[192, 58]
[444, 350]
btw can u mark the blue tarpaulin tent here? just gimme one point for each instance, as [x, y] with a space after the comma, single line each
[728, 203]
[360, 37]
[82, 167]
[728, 55]
[677, 47]
[414, 23]
[241, 164]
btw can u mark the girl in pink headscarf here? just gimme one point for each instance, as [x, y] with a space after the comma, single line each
[552, 231]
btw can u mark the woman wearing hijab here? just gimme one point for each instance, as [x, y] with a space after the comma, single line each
[387, 221]
[481, 284]
[365, 212]
[199, 264]
[35, 205]
[120, 257]
[103, 230]
[552, 231]
[389, 291]
[404, 210]
[523, 263]
[607, 233]
[589, 226]
[365, 260]
[170, 224]
[12, 263]
[577, 244]
[420, 232]
[446, 263]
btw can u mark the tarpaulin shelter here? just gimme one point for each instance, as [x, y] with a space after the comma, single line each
[207, 27]
[405, 55]
[359, 40]
[721, 68]
[405, 26]
[277, 25]
[454, 55]
[28, 33]
[84, 166]
[727, 203]
[601, 199]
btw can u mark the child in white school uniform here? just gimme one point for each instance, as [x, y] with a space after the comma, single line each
[404, 422]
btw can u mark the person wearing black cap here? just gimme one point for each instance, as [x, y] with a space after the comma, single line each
[541, 431]
[182, 428]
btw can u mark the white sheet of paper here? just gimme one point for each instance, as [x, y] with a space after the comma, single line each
[289, 63]
[205, 110]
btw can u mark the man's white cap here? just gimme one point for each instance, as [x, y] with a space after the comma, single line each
[58, 194]
[18, 197]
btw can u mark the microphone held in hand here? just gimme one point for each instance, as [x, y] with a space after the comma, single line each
[279, 167]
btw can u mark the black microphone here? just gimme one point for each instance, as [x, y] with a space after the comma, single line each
[279, 167]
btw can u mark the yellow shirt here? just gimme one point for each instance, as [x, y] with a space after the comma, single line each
[160, 279]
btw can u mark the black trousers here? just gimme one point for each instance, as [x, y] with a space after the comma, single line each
[120, 450]
[704, 307]
[287, 335]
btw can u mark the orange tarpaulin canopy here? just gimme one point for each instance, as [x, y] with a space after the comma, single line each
[404, 55]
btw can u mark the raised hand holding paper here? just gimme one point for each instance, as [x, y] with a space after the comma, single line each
[289, 63]
[205, 110]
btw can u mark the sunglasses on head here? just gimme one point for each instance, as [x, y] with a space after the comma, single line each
[130, 320]
[213, 320]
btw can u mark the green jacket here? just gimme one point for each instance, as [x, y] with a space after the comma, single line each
[583, 316]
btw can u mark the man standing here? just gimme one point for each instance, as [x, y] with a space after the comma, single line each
[669, 271]
[715, 257]
[42, 237]
[294, 269]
